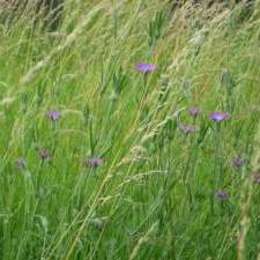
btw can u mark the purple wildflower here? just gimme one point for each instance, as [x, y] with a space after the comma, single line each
[20, 163]
[44, 154]
[54, 115]
[145, 67]
[188, 129]
[238, 162]
[219, 116]
[94, 162]
[222, 195]
[194, 111]
[256, 177]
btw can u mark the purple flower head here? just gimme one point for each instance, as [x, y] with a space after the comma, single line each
[222, 195]
[194, 111]
[219, 116]
[94, 162]
[188, 129]
[44, 155]
[256, 177]
[20, 163]
[238, 162]
[145, 67]
[54, 115]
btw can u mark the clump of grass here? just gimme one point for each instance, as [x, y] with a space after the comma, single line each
[131, 135]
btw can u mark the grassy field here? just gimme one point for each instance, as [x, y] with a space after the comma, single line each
[132, 133]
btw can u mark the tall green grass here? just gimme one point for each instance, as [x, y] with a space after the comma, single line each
[154, 195]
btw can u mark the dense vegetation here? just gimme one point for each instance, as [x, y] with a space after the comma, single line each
[131, 133]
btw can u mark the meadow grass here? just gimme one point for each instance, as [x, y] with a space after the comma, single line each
[102, 161]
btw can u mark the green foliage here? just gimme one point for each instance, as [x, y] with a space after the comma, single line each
[155, 28]
[126, 172]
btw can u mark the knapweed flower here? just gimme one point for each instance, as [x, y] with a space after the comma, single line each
[222, 195]
[219, 116]
[194, 111]
[54, 115]
[44, 154]
[238, 162]
[188, 129]
[145, 67]
[256, 177]
[94, 162]
[20, 163]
